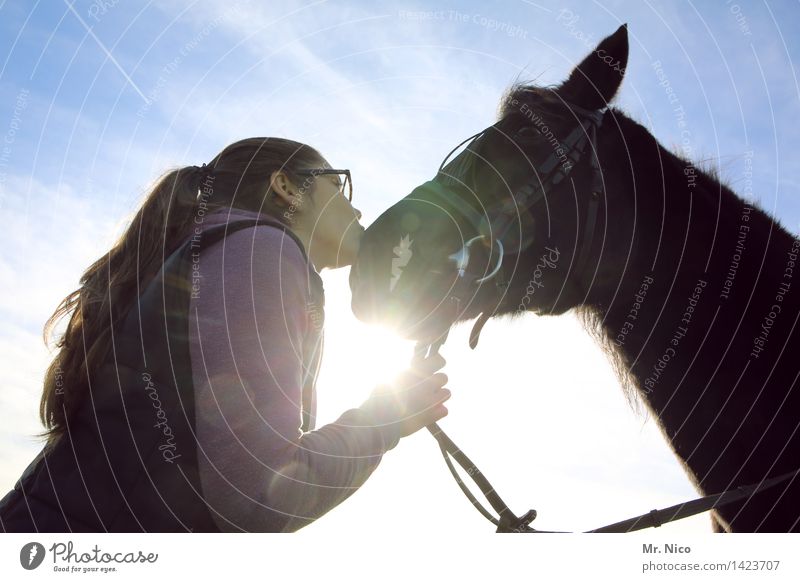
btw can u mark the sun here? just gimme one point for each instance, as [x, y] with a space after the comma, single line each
[357, 357]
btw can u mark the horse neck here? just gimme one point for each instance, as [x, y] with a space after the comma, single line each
[705, 284]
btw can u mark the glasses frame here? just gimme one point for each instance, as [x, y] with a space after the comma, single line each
[348, 180]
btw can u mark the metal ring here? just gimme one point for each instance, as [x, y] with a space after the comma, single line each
[500, 253]
[461, 258]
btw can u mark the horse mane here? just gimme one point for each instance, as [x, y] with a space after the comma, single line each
[539, 99]
[592, 322]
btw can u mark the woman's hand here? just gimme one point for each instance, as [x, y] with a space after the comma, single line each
[414, 400]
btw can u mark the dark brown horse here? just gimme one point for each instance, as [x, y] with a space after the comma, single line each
[693, 292]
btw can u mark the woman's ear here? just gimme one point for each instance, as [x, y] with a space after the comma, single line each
[285, 192]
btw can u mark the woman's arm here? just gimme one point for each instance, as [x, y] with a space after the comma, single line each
[248, 320]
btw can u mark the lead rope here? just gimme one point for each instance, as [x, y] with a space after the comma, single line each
[507, 521]
[510, 523]
[657, 517]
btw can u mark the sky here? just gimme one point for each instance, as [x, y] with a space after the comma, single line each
[98, 98]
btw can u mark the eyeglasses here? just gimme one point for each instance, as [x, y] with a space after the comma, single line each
[347, 185]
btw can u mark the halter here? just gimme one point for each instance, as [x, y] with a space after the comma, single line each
[494, 226]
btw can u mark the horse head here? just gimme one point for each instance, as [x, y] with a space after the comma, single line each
[511, 224]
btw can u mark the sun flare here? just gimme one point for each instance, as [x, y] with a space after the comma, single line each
[357, 357]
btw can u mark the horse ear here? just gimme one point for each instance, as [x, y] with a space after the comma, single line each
[593, 83]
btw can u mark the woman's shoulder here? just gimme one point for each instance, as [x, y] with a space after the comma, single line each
[268, 239]
[267, 259]
[265, 255]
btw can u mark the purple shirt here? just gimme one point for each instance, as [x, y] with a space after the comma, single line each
[255, 342]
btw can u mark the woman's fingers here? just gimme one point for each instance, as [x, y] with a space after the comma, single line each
[416, 399]
[433, 414]
[433, 408]
[416, 381]
[429, 365]
[438, 380]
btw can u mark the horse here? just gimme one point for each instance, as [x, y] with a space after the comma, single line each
[566, 203]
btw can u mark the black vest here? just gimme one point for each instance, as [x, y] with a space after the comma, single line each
[128, 461]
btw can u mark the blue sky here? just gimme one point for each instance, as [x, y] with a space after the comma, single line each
[99, 98]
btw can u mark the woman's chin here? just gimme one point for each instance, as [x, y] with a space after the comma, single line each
[348, 251]
[345, 258]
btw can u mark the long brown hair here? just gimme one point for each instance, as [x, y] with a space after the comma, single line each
[241, 176]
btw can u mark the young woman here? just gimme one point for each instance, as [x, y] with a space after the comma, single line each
[182, 396]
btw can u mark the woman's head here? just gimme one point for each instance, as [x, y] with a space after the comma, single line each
[282, 178]
[318, 209]
[265, 175]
